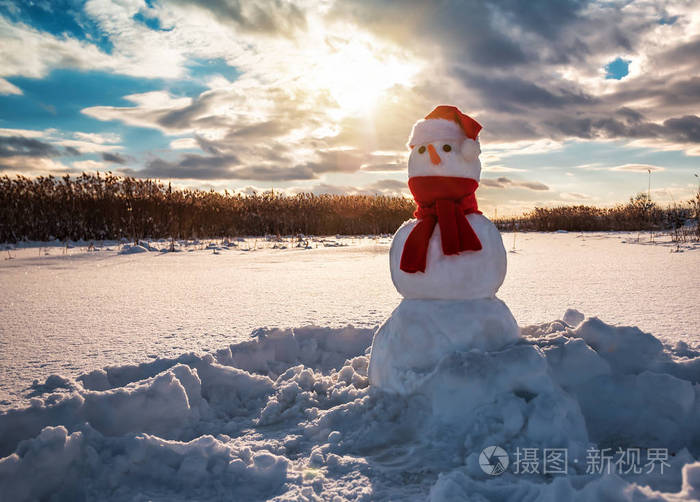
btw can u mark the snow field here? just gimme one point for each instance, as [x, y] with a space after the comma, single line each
[289, 415]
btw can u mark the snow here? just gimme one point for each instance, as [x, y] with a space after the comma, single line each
[88, 310]
[431, 329]
[224, 409]
[133, 249]
[468, 275]
[290, 415]
[461, 161]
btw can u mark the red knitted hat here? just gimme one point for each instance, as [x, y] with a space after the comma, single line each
[445, 122]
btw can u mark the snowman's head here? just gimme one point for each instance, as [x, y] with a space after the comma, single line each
[445, 144]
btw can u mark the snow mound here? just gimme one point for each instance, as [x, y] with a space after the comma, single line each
[432, 328]
[290, 415]
[129, 249]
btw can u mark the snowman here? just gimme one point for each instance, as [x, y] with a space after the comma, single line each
[448, 263]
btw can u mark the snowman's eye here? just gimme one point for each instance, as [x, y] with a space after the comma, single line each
[446, 148]
[421, 149]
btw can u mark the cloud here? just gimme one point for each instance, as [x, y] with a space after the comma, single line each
[504, 182]
[114, 158]
[89, 165]
[472, 32]
[32, 166]
[183, 143]
[28, 52]
[190, 166]
[385, 167]
[501, 169]
[532, 73]
[278, 17]
[592, 166]
[98, 138]
[8, 87]
[19, 146]
[574, 196]
[390, 184]
[685, 129]
[273, 173]
[532, 76]
[637, 168]
[388, 187]
[228, 166]
[531, 185]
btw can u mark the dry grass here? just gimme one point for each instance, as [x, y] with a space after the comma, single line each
[111, 207]
[96, 207]
[639, 213]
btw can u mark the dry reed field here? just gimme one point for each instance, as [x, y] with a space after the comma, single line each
[105, 206]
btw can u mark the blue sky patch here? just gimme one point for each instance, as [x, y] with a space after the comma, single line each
[56, 101]
[668, 20]
[202, 68]
[617, 69]
[152, 22]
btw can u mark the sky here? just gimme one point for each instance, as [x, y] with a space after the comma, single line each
[578, 99]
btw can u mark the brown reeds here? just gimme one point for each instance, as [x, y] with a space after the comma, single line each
[105, 206]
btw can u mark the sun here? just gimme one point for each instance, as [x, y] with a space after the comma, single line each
[356, 71]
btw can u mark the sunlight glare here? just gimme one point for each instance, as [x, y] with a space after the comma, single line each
[357, 71]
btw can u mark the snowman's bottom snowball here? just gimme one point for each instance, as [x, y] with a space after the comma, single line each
[420, 333]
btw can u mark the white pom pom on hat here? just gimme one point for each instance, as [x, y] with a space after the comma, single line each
[470, 149]
[447, 123]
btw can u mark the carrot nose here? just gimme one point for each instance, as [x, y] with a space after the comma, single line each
[434, 157]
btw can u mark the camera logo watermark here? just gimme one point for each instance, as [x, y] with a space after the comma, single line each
[493, 460]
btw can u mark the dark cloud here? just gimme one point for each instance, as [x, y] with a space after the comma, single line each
[266, 129]
[531, 185]
[344, 161]
[391, 166]
[686, 53]
[208, 146]
[12, 146]
[684, 129]
[115, 158]
[273, 17]
[221, 165]
[274, 173]
[192, 114]
[503, 54]
[395, 185]
[190, 166]
[184, 117]
[496, 59]
[498, 34]
[513, 94]
[503, 182]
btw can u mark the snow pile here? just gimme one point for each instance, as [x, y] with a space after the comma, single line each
[135, 249]
[290, 415]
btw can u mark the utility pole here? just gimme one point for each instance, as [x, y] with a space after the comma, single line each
[651, 230]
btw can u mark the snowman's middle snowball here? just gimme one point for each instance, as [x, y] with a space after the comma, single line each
[468, 275]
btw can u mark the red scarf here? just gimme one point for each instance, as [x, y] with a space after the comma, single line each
[443, 200]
